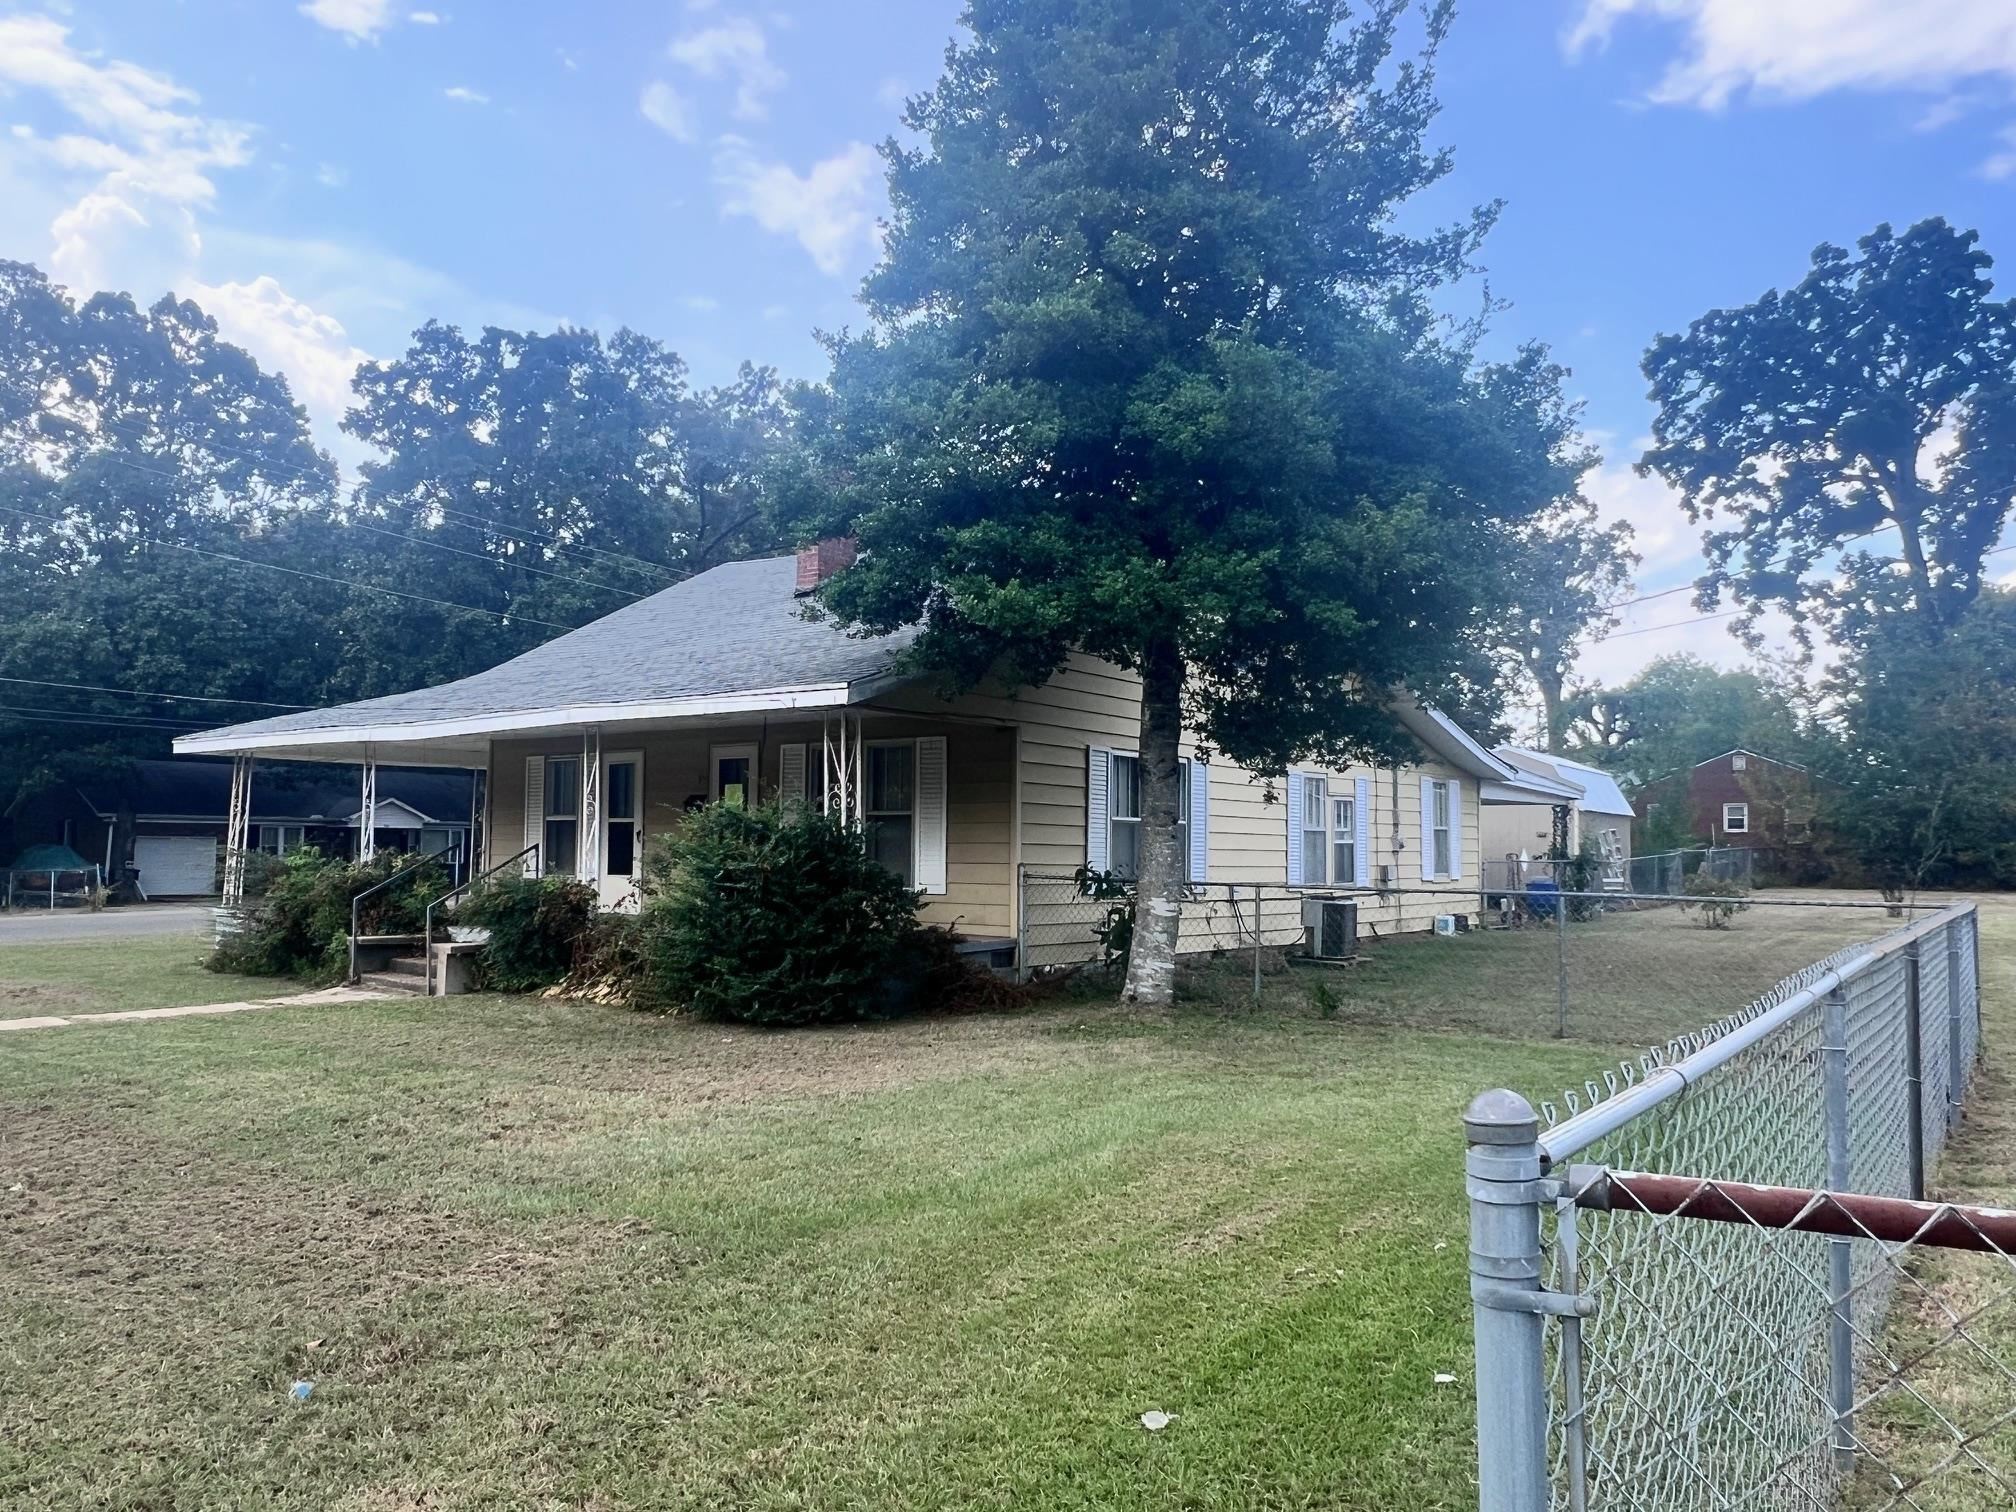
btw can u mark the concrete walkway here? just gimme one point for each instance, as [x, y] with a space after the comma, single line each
[197, 1010]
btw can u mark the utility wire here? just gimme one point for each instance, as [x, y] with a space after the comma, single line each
[320, 577]
[36, 682]
[495, 561]
[114, 721]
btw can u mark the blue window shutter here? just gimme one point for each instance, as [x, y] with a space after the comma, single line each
[1294, 807]
[1098, 810]
[1361, 838]
[1200, 820]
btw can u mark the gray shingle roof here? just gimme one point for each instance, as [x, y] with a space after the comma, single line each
[736, 628]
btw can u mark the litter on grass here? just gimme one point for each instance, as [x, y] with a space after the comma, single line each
[1155, 1422]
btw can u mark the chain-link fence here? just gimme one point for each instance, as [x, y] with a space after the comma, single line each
[1752, 1324]
[1618, 968]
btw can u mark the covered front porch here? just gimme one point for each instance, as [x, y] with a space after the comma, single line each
[933, 794]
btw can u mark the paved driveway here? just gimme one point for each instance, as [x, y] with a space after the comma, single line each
[24, 926]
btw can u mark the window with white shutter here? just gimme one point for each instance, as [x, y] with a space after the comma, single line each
[1198, 808]
[791, 773]
[1098, 810]
[931, 814]
[535, 812]
[1362, 818]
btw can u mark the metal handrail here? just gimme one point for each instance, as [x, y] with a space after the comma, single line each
[378, 887]
[427, 916]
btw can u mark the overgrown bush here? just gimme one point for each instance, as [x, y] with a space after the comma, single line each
[1718, 900]
[301, 927]
[1115, 929]
[775, 915]
[534, 923]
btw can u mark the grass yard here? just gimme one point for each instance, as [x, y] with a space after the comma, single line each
[104, 976]
[551, 1255]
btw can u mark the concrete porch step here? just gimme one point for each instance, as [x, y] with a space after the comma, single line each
[395, 982]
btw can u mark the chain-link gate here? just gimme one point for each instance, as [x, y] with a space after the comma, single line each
[1703, 1286]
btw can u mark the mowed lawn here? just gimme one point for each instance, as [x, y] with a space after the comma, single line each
[105, 976]
[546, 1255]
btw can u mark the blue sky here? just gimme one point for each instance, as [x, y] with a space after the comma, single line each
[325, 176]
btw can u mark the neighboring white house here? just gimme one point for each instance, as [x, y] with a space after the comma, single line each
[1588, 804]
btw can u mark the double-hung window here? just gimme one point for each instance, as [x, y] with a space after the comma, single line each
[562, 839]
[889, 815]
[279, 839]
[1123, 817]
[1344, 838]
[1736, 818]
[1315, 822]
[1439, 828]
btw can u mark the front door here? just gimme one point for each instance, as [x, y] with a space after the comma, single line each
[622, 828]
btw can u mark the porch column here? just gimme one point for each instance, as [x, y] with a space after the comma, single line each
[237, 825]
[588, 861]
[479, 800]
[367, 813]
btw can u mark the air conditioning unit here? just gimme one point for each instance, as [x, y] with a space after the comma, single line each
[1452, 924]
[1331, 928]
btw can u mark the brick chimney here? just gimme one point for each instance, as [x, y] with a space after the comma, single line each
[818, 562]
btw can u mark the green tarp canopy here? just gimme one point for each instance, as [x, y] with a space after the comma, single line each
[49, 858]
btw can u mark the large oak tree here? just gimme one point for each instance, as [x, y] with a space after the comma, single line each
[1151, 377]
[1874, 399]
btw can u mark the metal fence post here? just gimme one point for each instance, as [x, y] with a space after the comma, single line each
[1256, 940]
[1840, 1278]
[1503, 1181]
[1560, 965]
[1956, 1073]
[1022, 922]
[1914, 1068]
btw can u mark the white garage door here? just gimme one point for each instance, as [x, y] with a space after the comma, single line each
[174, 866]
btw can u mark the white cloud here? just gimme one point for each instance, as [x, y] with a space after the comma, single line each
[827, 208]
[1795, 49]
[701, 303]
[665, 108]
[733, 49]
[2001, 164]
[892, 94]
[331, 175]
[425, 18]
[311, 348]
[359, 20]
[462, 94]
[775, 311]
[1661, 534]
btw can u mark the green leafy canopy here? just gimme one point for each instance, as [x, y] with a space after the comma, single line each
[1151, 373]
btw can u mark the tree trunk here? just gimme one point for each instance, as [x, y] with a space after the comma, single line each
[1550, 710]
[1158, 912]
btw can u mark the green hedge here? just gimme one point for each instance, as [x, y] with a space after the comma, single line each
[301, 927]
[534, 923]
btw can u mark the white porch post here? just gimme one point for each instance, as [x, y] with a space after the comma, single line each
[237, 824]
[479, 800]
[588, 863]
[844, 772]
[367, 813]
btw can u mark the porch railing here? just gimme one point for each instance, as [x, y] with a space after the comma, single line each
[356, 905]
[427, 916]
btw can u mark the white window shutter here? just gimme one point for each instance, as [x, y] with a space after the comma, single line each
[1455, 830]
[535, 813]
[930, 858]
[1427, 829]
[1099, 810]
[791, 773]
[1295, 782]
[1361, 826]
[1200, 820]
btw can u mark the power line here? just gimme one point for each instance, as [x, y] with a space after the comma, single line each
[36, 682]
[617, 558]
[109, 721]
[495, 561]
[320, 577]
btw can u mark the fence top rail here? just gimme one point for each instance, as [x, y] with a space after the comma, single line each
[1577, 1133]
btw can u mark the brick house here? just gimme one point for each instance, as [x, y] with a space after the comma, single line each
[1740, 799]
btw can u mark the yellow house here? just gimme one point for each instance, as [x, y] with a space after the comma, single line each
[720, 689]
